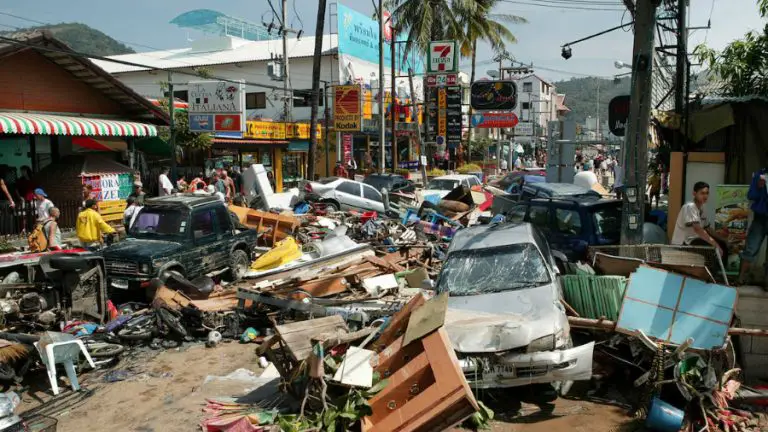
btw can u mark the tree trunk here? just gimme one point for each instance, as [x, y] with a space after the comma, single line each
[315, 89]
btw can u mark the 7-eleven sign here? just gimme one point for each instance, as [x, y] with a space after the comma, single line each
[442, 57]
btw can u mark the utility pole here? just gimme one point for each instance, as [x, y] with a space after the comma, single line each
[382, 119]
[636, 139]
[681, 66]
[172, 124]
[392, 96]
[327, 114]
[286, 67]
[597, 112]
[415, 117]
[316, 65]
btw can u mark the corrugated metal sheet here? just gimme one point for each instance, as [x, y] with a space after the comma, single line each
[247, 51]
[595, 296]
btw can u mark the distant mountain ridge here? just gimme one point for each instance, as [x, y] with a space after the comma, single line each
[581, 96]
[83, 38]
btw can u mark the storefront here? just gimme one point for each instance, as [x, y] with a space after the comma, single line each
[55, 104]
[281, 147]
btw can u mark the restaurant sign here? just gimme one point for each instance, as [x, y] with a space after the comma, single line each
[216, 106]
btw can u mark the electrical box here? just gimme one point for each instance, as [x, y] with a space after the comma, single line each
[275, 70]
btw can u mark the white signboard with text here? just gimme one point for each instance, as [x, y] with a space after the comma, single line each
[216, 106]
[524, 129]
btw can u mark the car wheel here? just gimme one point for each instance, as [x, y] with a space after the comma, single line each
[331, 206]
[239, 264]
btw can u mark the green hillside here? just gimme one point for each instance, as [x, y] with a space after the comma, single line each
[83, 38]
[581, 95]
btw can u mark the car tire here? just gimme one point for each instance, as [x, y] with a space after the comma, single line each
[238, 265]
[331, 206]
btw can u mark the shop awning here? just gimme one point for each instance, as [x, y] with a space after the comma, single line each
[47, 124]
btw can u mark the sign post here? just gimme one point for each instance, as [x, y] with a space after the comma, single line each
[216, 106]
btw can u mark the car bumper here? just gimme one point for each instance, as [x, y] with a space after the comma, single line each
[513, 370]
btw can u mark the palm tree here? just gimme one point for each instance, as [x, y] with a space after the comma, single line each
[480, 23]
[428, 20]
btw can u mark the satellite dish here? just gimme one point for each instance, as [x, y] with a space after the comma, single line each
[492, 73]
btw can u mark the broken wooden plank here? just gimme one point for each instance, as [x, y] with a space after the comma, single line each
[316, 288]
[426, 318]
[297, 336]
[398, 324]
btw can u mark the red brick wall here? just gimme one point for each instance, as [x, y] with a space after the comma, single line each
[29, 81]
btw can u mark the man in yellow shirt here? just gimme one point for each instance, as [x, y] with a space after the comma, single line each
[91, 226]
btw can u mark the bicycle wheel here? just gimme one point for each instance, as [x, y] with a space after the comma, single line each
[172, 322]
[105, 350]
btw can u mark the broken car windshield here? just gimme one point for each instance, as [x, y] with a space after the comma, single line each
[442, 184]
[505, 268]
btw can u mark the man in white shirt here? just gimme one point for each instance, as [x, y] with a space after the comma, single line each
[44, 205]
[692, 226]
[585, 178]
[518, 164]
[165, 185]
[504, 166]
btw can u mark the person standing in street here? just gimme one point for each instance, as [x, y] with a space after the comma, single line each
[352, 167]
[138, 193]
[52, 230]
[758, 229]
[504, 166]
[165, 187]
[229, 185]
[340, 171]
[195, 181]
[90, 226]
[44, 205]
[692, 227]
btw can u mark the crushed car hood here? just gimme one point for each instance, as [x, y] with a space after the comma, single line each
[502, 321]
[132, 249]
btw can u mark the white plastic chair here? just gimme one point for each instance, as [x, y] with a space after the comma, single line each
[66, 353]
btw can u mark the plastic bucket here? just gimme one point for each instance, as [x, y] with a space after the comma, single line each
[663, 417]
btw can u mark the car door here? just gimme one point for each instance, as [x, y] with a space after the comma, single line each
[224, 237]
[349, 195]
[566, 233]
[204, 237]
[540, 216]
[373, 199]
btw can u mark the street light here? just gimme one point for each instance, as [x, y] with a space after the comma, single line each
[621, 65]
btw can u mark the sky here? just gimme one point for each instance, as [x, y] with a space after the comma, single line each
[144, 25]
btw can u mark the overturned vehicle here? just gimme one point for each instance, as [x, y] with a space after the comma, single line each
[505, 316]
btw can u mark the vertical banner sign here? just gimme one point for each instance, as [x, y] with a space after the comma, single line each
[442, 123]
[453, 117]
[347, 108]
[731, 220]
[216, 106]
[442, 57]
[347, 144]
[431, 114]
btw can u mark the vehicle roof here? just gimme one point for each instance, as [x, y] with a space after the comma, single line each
[560, 188]
[583, 200]
[493, 235]
[454, 177]
[385, 175]
[186, 200]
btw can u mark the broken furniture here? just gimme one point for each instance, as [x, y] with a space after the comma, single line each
[58, 348]
[270, 227]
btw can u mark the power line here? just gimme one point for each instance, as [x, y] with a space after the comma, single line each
[568, 6]
[709, 21]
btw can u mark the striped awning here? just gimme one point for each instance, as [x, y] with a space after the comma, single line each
[47, 124]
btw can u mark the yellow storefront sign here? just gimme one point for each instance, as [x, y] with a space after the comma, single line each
[266, 130]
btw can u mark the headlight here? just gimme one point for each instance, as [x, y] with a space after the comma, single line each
[144, 268]
[546, 343]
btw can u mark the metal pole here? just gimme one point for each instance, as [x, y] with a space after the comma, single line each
[286, 68]
[382, 120]
[597, 112]
[327, 132]
[392, 91]
[172, 124]
[415, 116]
[636, 140]
[316, 66]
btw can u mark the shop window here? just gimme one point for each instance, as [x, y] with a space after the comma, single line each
[293, 164]
[255, 100]
[527, 87]
[179, 94]
[526, 105]
[303, 98]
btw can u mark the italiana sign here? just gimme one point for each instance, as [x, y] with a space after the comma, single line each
[442, 57]
[216, 106]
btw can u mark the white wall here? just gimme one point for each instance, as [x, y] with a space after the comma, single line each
[542, 100]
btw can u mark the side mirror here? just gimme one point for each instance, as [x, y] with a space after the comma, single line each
[428, 284]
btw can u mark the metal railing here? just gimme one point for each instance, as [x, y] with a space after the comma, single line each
[22, 218]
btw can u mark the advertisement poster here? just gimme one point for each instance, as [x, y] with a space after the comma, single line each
[493, 95]
[731, 220]
[347, 142]
[347, 108]
[216, 105]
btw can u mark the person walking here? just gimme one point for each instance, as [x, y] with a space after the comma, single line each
[90, 226]
[340, 171]
[200, 179]
[131, 211]
[692, 226]
[654, 187]
[44, 205]
[229, 185]
[165, 187]
[758, 229]
[138, 193]
[352, 167]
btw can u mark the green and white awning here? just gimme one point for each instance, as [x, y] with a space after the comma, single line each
[46, 124]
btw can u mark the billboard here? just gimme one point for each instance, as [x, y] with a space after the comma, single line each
[443, 57]
[493, 95]
[216, 106]
[358, 37]
[347, 108]
[453, 117]
[618, 113]
[494, 120]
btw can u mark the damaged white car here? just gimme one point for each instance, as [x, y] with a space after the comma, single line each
[505, 318]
